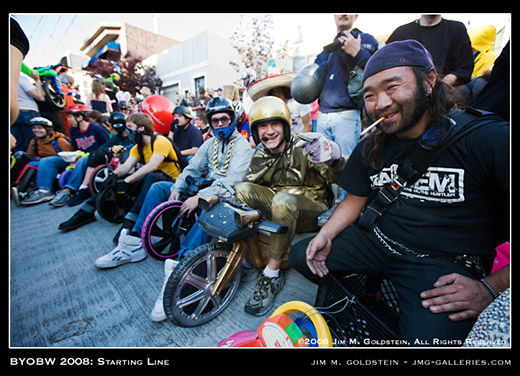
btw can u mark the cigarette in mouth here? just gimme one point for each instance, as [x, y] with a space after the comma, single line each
[373, 125]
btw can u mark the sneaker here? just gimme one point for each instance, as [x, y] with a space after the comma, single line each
[37, 196]
[249, 274]
[79, 197]
[62, 197]
[158, 314]
[80, 218]
[266, 290]
[129, 249]
[15, 196]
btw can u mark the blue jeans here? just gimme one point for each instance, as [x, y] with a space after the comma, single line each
[341, 127]
[50, 167]
[157, 194]
[22, 131]
[148, 182]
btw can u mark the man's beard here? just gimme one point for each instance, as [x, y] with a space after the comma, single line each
[419, 104]
[411, 110]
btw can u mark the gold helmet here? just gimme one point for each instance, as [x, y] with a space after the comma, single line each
[269, 108]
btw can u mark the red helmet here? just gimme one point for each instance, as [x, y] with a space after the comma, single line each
[160, 109]
[76, 108]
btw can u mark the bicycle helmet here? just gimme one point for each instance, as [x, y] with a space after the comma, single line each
[76, 108]
[269, 108]
[117, 120]
[182, 110]
[217, 105]
[239, 109]
[247, 77]
[41, 121]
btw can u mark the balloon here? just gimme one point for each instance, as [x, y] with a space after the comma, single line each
[161, 110]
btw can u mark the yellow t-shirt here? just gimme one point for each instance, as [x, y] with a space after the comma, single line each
[161, 146]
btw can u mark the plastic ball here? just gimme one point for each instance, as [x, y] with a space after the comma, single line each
[160, 109]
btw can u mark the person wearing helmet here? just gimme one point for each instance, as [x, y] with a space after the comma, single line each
[121, 141]
[289, 180]
[242, 119]
[85, 137]
[186, 135]
[225, 157]
[248, 77]
[46, 142]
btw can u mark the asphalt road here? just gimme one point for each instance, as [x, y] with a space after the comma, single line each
[58, 298]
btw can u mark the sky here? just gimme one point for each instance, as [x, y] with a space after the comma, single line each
[52, 35]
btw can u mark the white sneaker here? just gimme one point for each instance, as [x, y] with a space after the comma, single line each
[129, 249]
[158, 314]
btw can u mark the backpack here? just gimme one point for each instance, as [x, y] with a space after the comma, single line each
[179, 162]
[112, 206]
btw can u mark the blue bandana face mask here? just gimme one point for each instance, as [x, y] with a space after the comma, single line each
[223, 133]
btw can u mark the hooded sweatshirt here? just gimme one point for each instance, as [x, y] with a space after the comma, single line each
[482, 40]
[58, 142]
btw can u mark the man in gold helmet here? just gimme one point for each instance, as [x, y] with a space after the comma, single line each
[288, 180]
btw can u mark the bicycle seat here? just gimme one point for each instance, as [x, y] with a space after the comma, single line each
[230, 223]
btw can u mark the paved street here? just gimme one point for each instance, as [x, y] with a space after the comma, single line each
[58, 298]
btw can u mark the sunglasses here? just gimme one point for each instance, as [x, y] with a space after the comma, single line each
[225, 120]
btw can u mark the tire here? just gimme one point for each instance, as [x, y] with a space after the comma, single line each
[163, 230]
[187, 296]
[54, 100]
[98, 177]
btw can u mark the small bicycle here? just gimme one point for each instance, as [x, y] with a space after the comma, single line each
[205, 281]
[54, 95]
[164, 230]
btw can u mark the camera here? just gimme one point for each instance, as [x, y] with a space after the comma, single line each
[337, 43]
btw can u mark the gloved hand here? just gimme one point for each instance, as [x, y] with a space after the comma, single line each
[319, 149]
[117, 149]
[122, 187]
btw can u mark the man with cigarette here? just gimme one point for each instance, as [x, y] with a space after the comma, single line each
[433, 237]
[288, 180]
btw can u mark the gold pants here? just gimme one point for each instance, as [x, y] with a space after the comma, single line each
[293, 208]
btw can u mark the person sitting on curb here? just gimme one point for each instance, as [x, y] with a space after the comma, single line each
[161, 163]
[225, 157]
[428, 225]
[86, 137]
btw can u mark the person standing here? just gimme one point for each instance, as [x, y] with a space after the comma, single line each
[200, 102]
[28, 94]
[339, 116]
[446, 40]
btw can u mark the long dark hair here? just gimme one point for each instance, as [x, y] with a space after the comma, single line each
[443, 100]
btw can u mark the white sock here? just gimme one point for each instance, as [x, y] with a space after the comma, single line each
[83, 186]
[268, 272]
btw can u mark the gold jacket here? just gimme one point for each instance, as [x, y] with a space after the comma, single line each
[292, 170]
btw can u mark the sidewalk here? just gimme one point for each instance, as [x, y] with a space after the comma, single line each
[58, 298]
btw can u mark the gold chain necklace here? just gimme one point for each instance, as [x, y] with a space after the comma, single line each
[228, 156]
